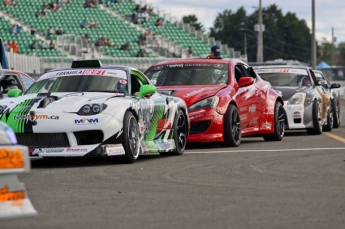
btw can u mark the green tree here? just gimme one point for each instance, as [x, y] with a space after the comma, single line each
[193, 21]
[285, 36]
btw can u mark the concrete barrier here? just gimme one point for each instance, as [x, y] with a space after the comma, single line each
[14, 200]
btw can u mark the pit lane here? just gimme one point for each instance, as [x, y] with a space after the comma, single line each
[295, 183]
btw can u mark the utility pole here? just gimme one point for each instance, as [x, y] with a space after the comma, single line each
[259, 57]
[313, 41]
[332, 54]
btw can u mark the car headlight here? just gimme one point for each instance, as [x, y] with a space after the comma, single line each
[11, 135]
[92, 109]
[297, 98]
[2, 108]
[210, 102]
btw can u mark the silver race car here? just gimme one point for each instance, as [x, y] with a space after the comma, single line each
[335, 97]
[93, 110]
[306, 103]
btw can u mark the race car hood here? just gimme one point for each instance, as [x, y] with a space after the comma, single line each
[57, 102]
[288, 92]
[191, 94]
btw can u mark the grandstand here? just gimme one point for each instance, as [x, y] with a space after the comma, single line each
[114, 22]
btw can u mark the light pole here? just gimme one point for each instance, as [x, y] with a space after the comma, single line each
[313, 42]
[259, 57]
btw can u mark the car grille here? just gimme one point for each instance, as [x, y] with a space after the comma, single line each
[199, 127]
[43, 139]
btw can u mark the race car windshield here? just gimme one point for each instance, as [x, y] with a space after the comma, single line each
[285, 79]
[79, 83]
[189, 74]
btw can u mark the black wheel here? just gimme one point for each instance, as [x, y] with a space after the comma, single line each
[279, 124]
[329, 124]
[232, 127]
[316, 112]
[180, 129]
[336, 113]
[131, 138]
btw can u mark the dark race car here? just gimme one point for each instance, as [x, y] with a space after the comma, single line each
[226, 99]
[10, 79]
[307, 103]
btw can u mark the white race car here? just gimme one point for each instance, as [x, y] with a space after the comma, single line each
[93, 110]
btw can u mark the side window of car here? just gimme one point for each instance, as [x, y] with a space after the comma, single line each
[27, 81]
[10, 82]
[238, 72]
[249, 71]
[136, 83]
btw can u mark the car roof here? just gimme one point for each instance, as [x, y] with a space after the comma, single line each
[282, 66]
[200, 60]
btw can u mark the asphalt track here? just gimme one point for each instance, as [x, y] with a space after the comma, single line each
[296, 183]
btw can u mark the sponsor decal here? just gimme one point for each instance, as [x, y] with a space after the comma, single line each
[252, 108]
[196, 112]
[243, 117]
[218, 65]
[122, 81]
[5, 195]
[35, 117]
[242, 109]
[93, 72]
[86, 121]
[267, 126]
[11, 158]
[196, 92]
[158, 68]
[254, 121]
[48, 150]
[115, 151]
[75, 150]
[175, 65]
[197, 65]
[71, 72]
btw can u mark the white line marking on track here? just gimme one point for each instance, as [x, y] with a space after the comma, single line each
[262, 150]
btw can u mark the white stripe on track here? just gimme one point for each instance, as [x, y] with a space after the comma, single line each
[261, 150]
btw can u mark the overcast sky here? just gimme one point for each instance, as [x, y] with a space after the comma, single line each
[328, 13]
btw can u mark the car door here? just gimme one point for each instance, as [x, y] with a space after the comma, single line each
[248, 99]
[152, 108]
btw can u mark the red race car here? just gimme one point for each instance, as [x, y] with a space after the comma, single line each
[226, 99]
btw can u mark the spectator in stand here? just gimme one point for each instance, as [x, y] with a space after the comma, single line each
[51, 31]
[142, 39]
[57, 6]
[50, 6]
[15, 47]
[51, 45]
[85, 24]
[44, 6]
[19, 29]
[13, 3]
[100, 42]
[150, 11]
[190, 52]
[149, 36]
[134, 18]
[59, 31]
[93, 24]
[145, 16]
[8, 46]
[13, 29]
[88, 4]
[34, 44]
[140, 53]
[109, 43]
[66, 2]
[159, 22]
[127, 46]
[42, 45]
[115, 1]
[7, 2]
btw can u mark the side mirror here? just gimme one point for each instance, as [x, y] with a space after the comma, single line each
[245, 81]
[321, 82]
[147, 89]
[14, 93]
[335, 85]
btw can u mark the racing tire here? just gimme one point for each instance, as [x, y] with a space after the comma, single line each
[131, 138]
[317, 129]
[180, 130]
[279, 124]
[329, 126]
[336, 114]
[232, 127]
